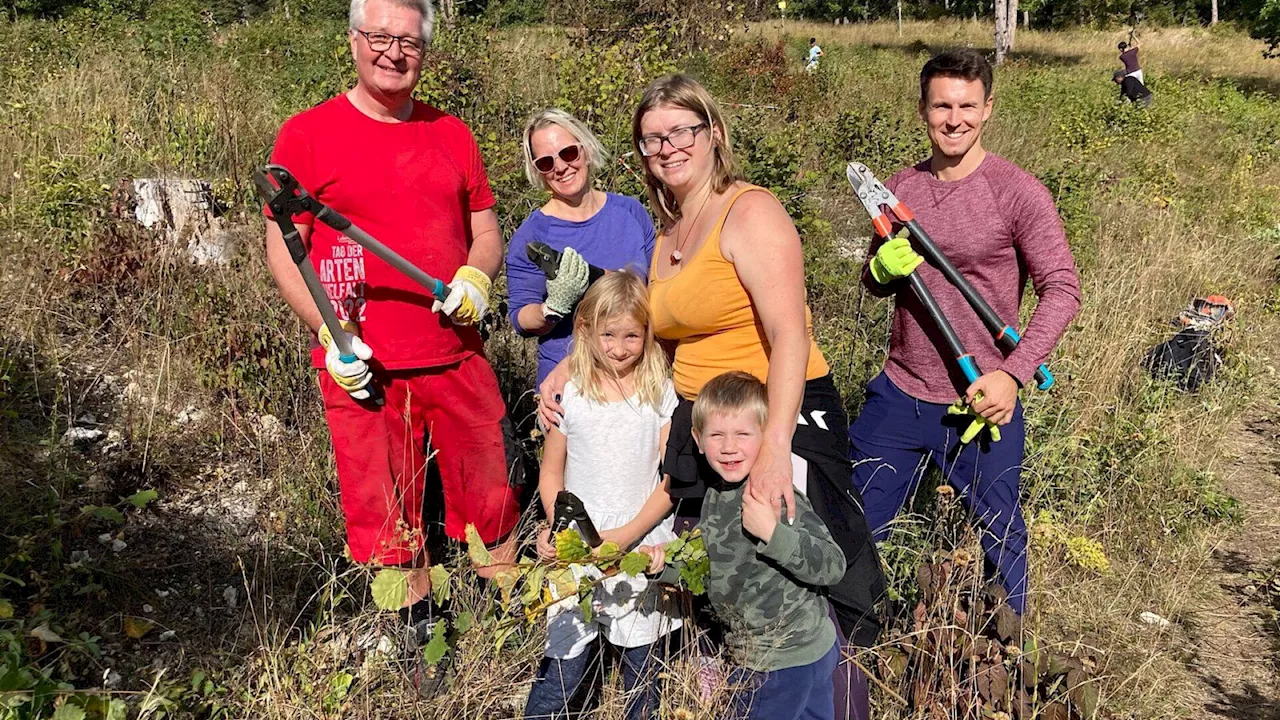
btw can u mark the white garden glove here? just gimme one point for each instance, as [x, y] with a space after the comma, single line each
[567, 287]
[351, 376]
[468, 299]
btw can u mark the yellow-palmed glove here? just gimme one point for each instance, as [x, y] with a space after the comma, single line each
[352, 376]
[468, 299]
[960, 407]
[895, 259]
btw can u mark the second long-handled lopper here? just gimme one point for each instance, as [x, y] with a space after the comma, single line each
[874, 196]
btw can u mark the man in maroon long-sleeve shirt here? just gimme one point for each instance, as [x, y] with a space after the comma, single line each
[999, 227]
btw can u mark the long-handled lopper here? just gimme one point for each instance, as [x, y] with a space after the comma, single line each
[286, 198]
[874, 195]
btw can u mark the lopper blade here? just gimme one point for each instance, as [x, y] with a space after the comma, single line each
[870, 191]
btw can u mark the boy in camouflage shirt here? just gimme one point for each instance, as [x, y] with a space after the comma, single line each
[767, 578]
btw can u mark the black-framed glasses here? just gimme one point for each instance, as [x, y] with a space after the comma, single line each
[381, 42]
[568, 153]
[678, 139]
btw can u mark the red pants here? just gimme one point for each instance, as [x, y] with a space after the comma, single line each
[452, 416]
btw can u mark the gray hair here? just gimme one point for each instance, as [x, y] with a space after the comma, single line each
[355, 17]
[596, 155]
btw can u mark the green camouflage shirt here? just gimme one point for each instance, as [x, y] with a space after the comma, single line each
[771, 596]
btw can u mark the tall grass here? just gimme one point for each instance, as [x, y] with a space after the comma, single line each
[1160, 206]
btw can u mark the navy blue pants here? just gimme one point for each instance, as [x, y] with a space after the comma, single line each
[890, 442]
[558, 682]
[797, 693]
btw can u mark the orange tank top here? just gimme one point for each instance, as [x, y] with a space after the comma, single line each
[705, 308]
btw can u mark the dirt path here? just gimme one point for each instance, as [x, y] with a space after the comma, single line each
[1237, 655]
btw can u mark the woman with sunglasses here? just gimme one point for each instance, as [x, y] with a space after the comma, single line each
[588, 226]
[726, 288]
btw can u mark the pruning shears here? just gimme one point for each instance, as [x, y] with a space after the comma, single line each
[570, 509]
[286, 198]
[547, 259]
[874, 196]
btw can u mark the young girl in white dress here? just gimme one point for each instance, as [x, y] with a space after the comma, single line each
[617, 412]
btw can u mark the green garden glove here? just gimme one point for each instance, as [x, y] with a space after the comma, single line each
[895, 259]
[567, 287]
[960, 407]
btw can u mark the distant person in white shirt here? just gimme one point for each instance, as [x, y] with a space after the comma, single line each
[815, 52]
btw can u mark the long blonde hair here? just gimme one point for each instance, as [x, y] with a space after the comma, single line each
[682, 91]
[616, 293]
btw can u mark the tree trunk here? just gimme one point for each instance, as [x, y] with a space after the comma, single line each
[1002, 30]
[1213, 18]
[1011, 16]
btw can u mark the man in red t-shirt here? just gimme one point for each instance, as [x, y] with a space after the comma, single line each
[412, 177]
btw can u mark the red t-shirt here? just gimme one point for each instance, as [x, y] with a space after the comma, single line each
[412, 185]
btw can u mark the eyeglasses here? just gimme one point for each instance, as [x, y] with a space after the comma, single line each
[568, 154]
[678, 139]
[381, 42]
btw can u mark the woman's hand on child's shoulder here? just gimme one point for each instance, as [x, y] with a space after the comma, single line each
[657, 558]
[546, 546]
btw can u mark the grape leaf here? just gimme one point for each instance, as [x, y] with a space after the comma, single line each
[103, 512]
[435, 650]
[142, 498]
[584, 605]
[390, 589]
[136, 627]
[533, 585]
[506, 580]
[608, 548]
[69, 712]
[464, 621]
[570, 546]
[439, 583]
[635, 563]
[562, 583]
[476, 550]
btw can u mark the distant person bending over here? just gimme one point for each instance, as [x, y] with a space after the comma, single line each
[1132, 89]
[1129, 57]
[815, 52]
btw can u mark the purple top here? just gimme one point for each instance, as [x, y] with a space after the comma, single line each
[998, 226]
[1130, 59]
[618, 237]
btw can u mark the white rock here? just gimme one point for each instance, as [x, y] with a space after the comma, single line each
[118, 545]
[114, 443]
[190, 415]
[104, 538]
[270, 427]
[168, 635]
[229, 595]
[148, 609]
[163, 593]
[111, 678]
[183, 209]
[80, 436]
[1151, 618]
[79, 557]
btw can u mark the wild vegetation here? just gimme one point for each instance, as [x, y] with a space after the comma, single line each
[224, 593]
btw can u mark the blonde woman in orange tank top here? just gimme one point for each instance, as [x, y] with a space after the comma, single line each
[726, 289]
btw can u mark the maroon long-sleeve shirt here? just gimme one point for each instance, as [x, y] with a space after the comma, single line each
[999, 227]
